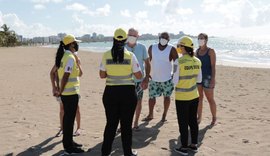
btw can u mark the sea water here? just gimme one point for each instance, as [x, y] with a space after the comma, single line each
[229, 51]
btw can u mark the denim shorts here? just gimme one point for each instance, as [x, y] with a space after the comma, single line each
[205, 81]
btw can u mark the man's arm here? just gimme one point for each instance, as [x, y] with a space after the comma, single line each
[150, 53]
[174, 56]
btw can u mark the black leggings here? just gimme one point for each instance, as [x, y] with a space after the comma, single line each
[120, 104]
[70, 103]
[187, 116]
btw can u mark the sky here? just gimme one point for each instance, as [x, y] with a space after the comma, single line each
[224, 18]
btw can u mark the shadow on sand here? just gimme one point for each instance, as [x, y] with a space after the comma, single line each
[38, 149]
[175, 143]
[141, 138]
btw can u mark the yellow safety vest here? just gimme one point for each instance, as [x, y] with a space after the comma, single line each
[186, 89]
[73, 85]
[118, 73]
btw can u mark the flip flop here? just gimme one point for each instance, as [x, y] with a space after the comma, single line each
[147, 119]
[77, 132]
[136, 128]
[163, 120]
[58, 134]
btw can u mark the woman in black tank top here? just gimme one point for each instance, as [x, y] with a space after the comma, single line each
[208, 59]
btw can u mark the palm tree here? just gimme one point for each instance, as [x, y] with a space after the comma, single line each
[7, 37]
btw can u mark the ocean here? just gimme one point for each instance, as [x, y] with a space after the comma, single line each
[229, 51]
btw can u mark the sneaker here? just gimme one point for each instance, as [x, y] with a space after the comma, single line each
[181, 150]
[193, 148]
[76, 144]
[74, 150]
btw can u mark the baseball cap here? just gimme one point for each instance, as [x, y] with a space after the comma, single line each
[69, 39]
[185, 41]
[120, 34]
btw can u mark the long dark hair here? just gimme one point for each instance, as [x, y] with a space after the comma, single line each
[117, 50]
[60, 53]
[189, 51]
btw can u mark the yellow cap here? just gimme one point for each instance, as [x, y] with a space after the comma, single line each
[120, 34]
[69, 39]
[185, 41]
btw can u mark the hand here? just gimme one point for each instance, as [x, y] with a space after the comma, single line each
[55, 92]
[145, 82]
[212, 83]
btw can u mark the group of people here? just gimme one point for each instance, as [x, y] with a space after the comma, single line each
[129, 70]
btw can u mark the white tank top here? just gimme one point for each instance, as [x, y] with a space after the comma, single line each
[161, 66]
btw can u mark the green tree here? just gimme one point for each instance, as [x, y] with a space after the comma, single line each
[7, 37]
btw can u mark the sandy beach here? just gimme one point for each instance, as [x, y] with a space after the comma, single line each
[29, 113]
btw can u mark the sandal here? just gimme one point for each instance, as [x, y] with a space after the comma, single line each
[136, 128]
[59, 133]
[146, 119]
[214, 120]
[77, 132]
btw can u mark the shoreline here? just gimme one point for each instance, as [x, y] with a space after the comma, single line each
[229, 63]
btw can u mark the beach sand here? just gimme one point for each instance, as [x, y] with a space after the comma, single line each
[29, 113]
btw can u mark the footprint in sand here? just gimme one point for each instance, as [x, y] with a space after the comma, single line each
[245, 141]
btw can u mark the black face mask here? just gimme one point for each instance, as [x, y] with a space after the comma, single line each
[76, 46]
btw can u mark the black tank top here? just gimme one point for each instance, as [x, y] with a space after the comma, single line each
[206, 63]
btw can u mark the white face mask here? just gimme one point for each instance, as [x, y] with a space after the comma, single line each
[131, 39]
[76, 53]
[201, 42]
[163, 41]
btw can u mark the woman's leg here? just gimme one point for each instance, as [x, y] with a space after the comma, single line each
[209, 93]
[183, 119]
[193, 121]
[112, 118]
[127, 109]
[78, 118]
[200, 105]
[61, 115]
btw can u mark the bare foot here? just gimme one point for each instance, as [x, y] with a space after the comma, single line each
[214, 120]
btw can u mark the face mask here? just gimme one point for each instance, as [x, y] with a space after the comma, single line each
[76, 47]
[163, 41]
[131, 39]
[179, 50]
[201, 42]
[75, 53]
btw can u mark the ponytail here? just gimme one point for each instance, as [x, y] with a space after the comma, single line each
[189, 51]
[59, 54]
[117, 51]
